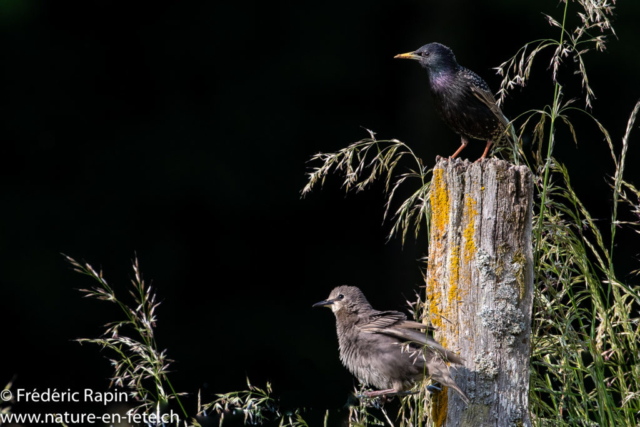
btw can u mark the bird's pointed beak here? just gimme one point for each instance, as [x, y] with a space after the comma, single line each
[325, 303]
[408, 55]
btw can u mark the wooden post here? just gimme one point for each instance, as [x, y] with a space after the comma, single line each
[480, 288]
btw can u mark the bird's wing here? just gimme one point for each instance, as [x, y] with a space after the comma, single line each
[385, 319]
[382, 319]
[440, 372]
[486, 97]
[409, 335]
[489, 100]
[410, 324]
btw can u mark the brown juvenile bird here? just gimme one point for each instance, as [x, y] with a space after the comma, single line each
[462, 99]
[371, 346]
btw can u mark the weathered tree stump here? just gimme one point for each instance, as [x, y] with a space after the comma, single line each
[480, 288]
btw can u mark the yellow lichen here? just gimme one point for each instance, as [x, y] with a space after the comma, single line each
[439, 408]
[439, 203]
[469, 251]
[454, 265]
[439, 219]
[433, 295]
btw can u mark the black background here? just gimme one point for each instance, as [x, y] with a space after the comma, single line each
[181, 132]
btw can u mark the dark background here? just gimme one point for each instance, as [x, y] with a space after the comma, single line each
[181, 132]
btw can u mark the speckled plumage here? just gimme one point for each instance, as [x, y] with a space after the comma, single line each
[462, 99]
[371, 345]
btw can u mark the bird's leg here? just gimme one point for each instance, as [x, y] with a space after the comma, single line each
[486, 150]
[432, 388]
[389, 392]
[464, 143]
[377, 393]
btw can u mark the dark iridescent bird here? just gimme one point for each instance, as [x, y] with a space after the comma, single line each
[462, 99]
[385, 350]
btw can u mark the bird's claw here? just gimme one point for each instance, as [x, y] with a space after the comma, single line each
[368, 395]
[433, 388]
[374, 400]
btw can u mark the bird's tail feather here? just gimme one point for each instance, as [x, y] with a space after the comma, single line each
[441, 373]
[489, 100]
[447, 355]
[420, 338]
[459, 391]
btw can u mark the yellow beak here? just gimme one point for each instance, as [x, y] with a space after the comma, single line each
[408, 55]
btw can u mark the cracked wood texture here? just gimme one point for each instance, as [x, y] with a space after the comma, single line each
[480, 289]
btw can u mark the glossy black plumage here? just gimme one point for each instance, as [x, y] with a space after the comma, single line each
[462, 99]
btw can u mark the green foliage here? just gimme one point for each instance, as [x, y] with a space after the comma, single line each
[585, 354]
[585, 362]
[585, 359]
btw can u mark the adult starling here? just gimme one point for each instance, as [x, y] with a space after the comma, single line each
[384, 349]
[462, 99]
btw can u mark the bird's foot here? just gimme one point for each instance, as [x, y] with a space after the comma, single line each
[376, 399]
[432, 388]
[486, 151]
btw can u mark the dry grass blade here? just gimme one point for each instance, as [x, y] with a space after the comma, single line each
[138, 364]
[5, 405]
[517, 70]
[257, 407]
[368, 160]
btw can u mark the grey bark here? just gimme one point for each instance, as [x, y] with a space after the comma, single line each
[480, 288]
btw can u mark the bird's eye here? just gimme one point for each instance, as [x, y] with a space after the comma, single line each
[425, 54]
[340, 296]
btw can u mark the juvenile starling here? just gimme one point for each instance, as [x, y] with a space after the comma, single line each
[384, 349]
[462, 99]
